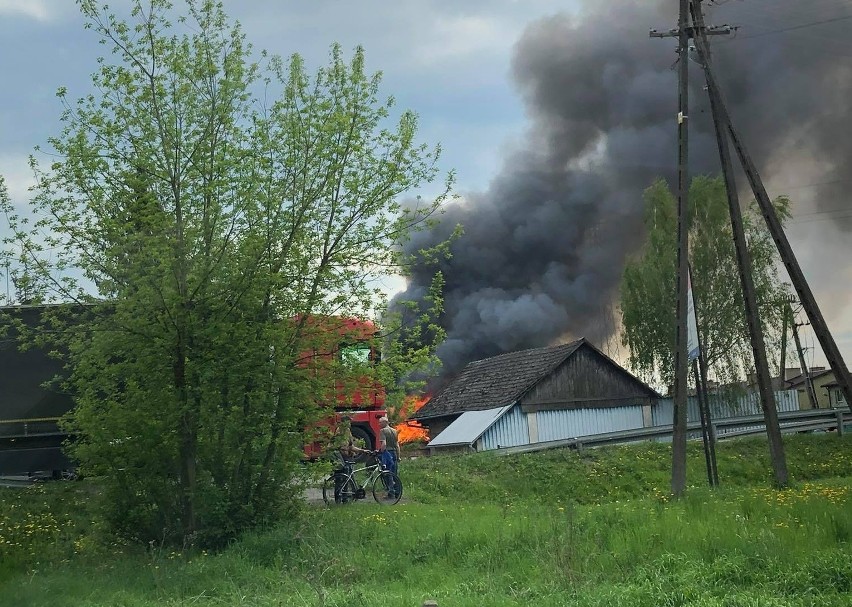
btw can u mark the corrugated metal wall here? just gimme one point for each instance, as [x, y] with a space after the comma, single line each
[510, 430]
[570, 423]
[662, 413]
[513, 428]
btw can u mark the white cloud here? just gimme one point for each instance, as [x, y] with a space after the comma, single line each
[18, 176]
[34, 9]
[464, 36]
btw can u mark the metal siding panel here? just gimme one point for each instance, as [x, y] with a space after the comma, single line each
[509, 431]
[662, 413]
[467, 427]
[512, 428]
[570, 423]
[748, 404]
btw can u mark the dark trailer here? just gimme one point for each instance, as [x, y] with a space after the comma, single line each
[30, 438]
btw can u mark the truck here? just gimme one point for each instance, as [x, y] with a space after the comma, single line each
[350, 342]
[30, 437]
[31, 405]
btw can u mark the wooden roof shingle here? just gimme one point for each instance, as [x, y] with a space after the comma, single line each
[496, 381]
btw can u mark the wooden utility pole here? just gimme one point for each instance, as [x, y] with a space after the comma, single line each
[681, 369]
[683, 34]
[764, 379]
[809, 385]
[703, 414]
[699, 370]
[785, 314]
[788, 258]
[702, 367]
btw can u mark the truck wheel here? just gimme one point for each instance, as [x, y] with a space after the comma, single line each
[360, 434]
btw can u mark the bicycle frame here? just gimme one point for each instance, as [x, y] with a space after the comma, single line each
[375, 471]
[344, 485]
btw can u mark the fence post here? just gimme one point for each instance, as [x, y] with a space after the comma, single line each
[839, 415]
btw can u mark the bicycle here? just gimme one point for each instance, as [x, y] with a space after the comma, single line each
[343, 488]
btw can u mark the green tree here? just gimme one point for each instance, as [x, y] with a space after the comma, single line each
[215, 215]
[649, 283]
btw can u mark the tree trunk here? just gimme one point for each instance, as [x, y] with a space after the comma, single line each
[188, 444]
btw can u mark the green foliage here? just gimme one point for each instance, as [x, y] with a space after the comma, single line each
[648, 290]
[215, 238]
[741, 545]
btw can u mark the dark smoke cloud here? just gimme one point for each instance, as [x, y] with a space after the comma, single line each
[544, 247]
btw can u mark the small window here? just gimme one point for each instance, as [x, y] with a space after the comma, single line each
[355, 355]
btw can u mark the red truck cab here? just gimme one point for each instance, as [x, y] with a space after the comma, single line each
[346, 343]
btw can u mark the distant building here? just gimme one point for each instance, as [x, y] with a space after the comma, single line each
[835, 395]
[821, 379]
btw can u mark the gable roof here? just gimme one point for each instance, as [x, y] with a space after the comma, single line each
[497, 381]
[799, 380]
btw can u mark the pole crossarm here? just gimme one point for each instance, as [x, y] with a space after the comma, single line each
[715, 30]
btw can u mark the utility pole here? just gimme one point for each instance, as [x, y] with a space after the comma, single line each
[809, 385]
[707, 437]
[758, 346]
[764, 381]
[711, 433]
[699, 370]
[681, 367]
[785, 314]
[683, 33]
[788, 258]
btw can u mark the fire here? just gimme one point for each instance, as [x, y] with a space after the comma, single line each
[410, 431]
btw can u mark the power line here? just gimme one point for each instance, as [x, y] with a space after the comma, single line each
[816, 219]
[823, 212]
[795, 14]
[794, 28]
[770, 16]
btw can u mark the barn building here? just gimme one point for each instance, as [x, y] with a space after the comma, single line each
[534, 396]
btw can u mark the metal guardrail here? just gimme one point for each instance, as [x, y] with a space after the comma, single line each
[790, 421]
[29, 427]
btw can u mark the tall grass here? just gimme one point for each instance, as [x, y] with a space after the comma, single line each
[529, 531]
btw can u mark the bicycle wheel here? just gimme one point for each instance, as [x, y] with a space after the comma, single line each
[387, 488]
[339, 489]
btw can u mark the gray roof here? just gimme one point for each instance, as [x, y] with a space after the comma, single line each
[497, 381]
[799, 380]
[468, 427]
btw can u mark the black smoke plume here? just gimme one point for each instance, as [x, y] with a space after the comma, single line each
[544, 247]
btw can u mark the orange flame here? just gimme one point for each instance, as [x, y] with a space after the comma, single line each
[410, 431]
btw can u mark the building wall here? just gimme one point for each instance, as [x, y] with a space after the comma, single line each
[437, 425]
[836, 398]
[586, 379]
[557, 425]
[510, 430]
[662, 412]
[822, 396]
[519, 428]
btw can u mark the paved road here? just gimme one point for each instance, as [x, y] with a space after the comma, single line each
[24, 481]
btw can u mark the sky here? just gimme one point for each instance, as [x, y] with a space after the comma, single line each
[462, 67]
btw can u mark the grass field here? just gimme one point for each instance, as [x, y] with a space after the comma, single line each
[554, 528]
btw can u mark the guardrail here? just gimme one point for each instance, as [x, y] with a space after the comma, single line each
[29, 427]
[790, 421]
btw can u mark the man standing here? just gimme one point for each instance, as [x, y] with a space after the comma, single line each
[389, 446]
